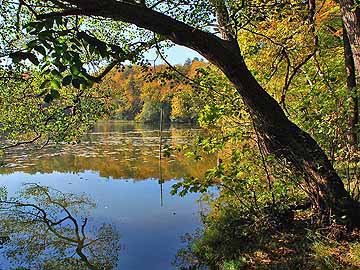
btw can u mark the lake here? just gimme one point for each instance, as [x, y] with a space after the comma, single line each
[117, 168]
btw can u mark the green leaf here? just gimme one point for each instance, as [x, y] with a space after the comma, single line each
[54, 93]
[59, 20]
[56, 74]
[55, 84]
[33, 59]
[48, 98]
[41, 50]
[34, 27]
[46, 71]
[103, 51]
[92, 49]
[32, 44]
[18, 56]
[42, 93]
[49, 23]
[44, 34]
[44, 84]
[76, 83]
[47, 45]
[61, 67]
[67, 80]
[74, 70]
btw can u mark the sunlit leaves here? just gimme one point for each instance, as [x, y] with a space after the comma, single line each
[190, 184]
[43, 110]
[19, 56]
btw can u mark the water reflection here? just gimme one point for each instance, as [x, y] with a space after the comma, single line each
[43, 228]
[149, 219]
[115, 149]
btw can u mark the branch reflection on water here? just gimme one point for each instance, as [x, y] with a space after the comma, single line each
[43, 228]
[115, 150]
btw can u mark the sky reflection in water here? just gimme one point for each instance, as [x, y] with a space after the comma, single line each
[117, 166]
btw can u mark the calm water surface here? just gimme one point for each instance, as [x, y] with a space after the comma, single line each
[117, 166]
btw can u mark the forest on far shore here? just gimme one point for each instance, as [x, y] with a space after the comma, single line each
[140, 93]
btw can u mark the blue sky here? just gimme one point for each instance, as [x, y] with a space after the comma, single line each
[175, 55]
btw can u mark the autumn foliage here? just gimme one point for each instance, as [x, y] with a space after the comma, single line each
[141, 93]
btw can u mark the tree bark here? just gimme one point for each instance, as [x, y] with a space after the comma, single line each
[353, 98]
[351, 20]
[279, 135]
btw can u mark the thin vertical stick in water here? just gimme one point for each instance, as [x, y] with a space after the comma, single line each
[160, 150]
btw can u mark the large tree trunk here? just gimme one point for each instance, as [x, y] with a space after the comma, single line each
[279, 135]
[286, 140]
[351, 20]
[353, 98]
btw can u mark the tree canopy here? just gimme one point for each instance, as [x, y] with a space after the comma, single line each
[76, 42]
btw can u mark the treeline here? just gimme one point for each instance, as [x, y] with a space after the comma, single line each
[140, 93]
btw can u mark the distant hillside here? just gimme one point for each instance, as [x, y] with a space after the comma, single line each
[139, 93]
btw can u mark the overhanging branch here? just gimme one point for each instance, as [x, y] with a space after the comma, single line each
[143, 17]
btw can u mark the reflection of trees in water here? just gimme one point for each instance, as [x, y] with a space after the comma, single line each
[47, 229]
[186, 258]
[117, 150]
